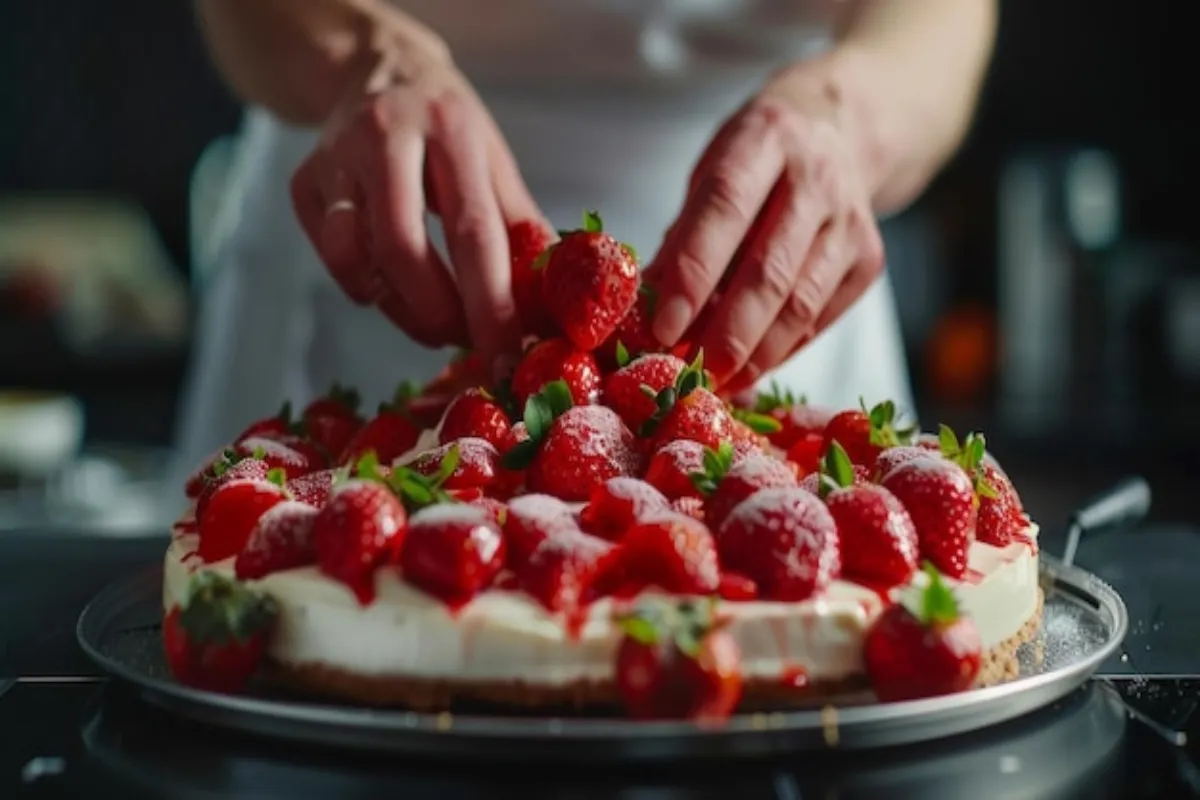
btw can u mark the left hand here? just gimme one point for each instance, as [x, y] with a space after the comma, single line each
[777, 232]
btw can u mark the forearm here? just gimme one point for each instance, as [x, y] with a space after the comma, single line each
[298, 57]
[909, 72]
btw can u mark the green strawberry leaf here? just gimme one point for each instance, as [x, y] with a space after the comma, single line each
[449, 464]
[639, 627]
[558, 397]
[368, 467]
[939, 606]
[277, 476]
[592, 223]
[629, 251]
[838, 466]
[622, 354]
[543, 258]
[520, 456]
[759, 423]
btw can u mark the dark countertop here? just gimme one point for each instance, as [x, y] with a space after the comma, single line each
[65, 733]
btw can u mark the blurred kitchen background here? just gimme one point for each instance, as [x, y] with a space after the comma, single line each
[1049, 280]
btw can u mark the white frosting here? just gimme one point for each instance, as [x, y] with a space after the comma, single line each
[507, 636]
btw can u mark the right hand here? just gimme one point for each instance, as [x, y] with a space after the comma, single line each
[393, 149]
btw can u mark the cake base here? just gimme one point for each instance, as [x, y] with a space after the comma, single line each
[998, 664]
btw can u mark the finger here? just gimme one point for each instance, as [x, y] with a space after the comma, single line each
[475, 236]
[823, 271]
[764, 279]
[729, 194]
[400, 313]
[512, 194]
[312, 198]
[866, 270]
[409, 264]
[340, 240]
[308, 201]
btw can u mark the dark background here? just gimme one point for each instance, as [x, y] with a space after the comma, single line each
[119, 99]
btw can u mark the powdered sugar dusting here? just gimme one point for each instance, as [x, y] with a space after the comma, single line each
[685, 454]
[541, 507]
[597, 430]
[641, 495]
[759, 469]
[449, 513]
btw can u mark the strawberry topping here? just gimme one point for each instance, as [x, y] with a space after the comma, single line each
[617, 504]
[453, 551]
[281, 539]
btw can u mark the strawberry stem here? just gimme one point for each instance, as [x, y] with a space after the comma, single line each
[541, 410]
[717, 464]
[938, 604]
[836, 470]
[969, 455]
[216, 609]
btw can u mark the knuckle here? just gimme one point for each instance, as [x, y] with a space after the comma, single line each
[376, 119]
[805, 301]
[732, 349]
[777, 270]
[449, 109]
[693, 275]
[727, 195]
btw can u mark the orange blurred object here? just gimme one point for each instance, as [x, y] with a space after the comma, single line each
[961, 354]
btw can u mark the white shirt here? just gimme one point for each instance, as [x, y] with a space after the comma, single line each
[606, 104]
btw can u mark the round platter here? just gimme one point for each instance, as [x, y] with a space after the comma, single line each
[1084, 622]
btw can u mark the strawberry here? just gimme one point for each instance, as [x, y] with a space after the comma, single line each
[671, 469]
[332, 420]
[865, 434]
[470, 463]
[281, 539]
[231, 468]
[879, 542]
[279, 424]
[231, 513]
[209, 468]
[726, 484]
[476, 414]
[784, 540]
[361, 528]
[923, 646]
[806, 451]
[893, 457]
[677, 662]
[634, 334]
[1001, 516]
[559, 571]
[556, 360]
[527, 240]
[465, 370]
[813, 481]
[797, 419]
[632, 390]
[216, 637]
[391, 433]
[617, 504]
[292, 454]
[746, 439]
[531, 519]
[571, 448]
[312, 489]
[941, 500]
[670, 551]
[452, 551]
[688, 410]
[589, 282]
[494, 509]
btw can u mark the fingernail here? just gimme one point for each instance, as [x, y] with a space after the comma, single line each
[672, 320]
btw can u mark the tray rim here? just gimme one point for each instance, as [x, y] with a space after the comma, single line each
[869, 725]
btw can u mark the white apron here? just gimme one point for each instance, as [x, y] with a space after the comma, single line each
[605, 103]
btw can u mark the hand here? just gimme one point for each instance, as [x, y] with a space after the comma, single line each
[777, 237]
[402, 145]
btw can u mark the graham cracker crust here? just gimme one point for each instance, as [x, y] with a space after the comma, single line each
[998, 665]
